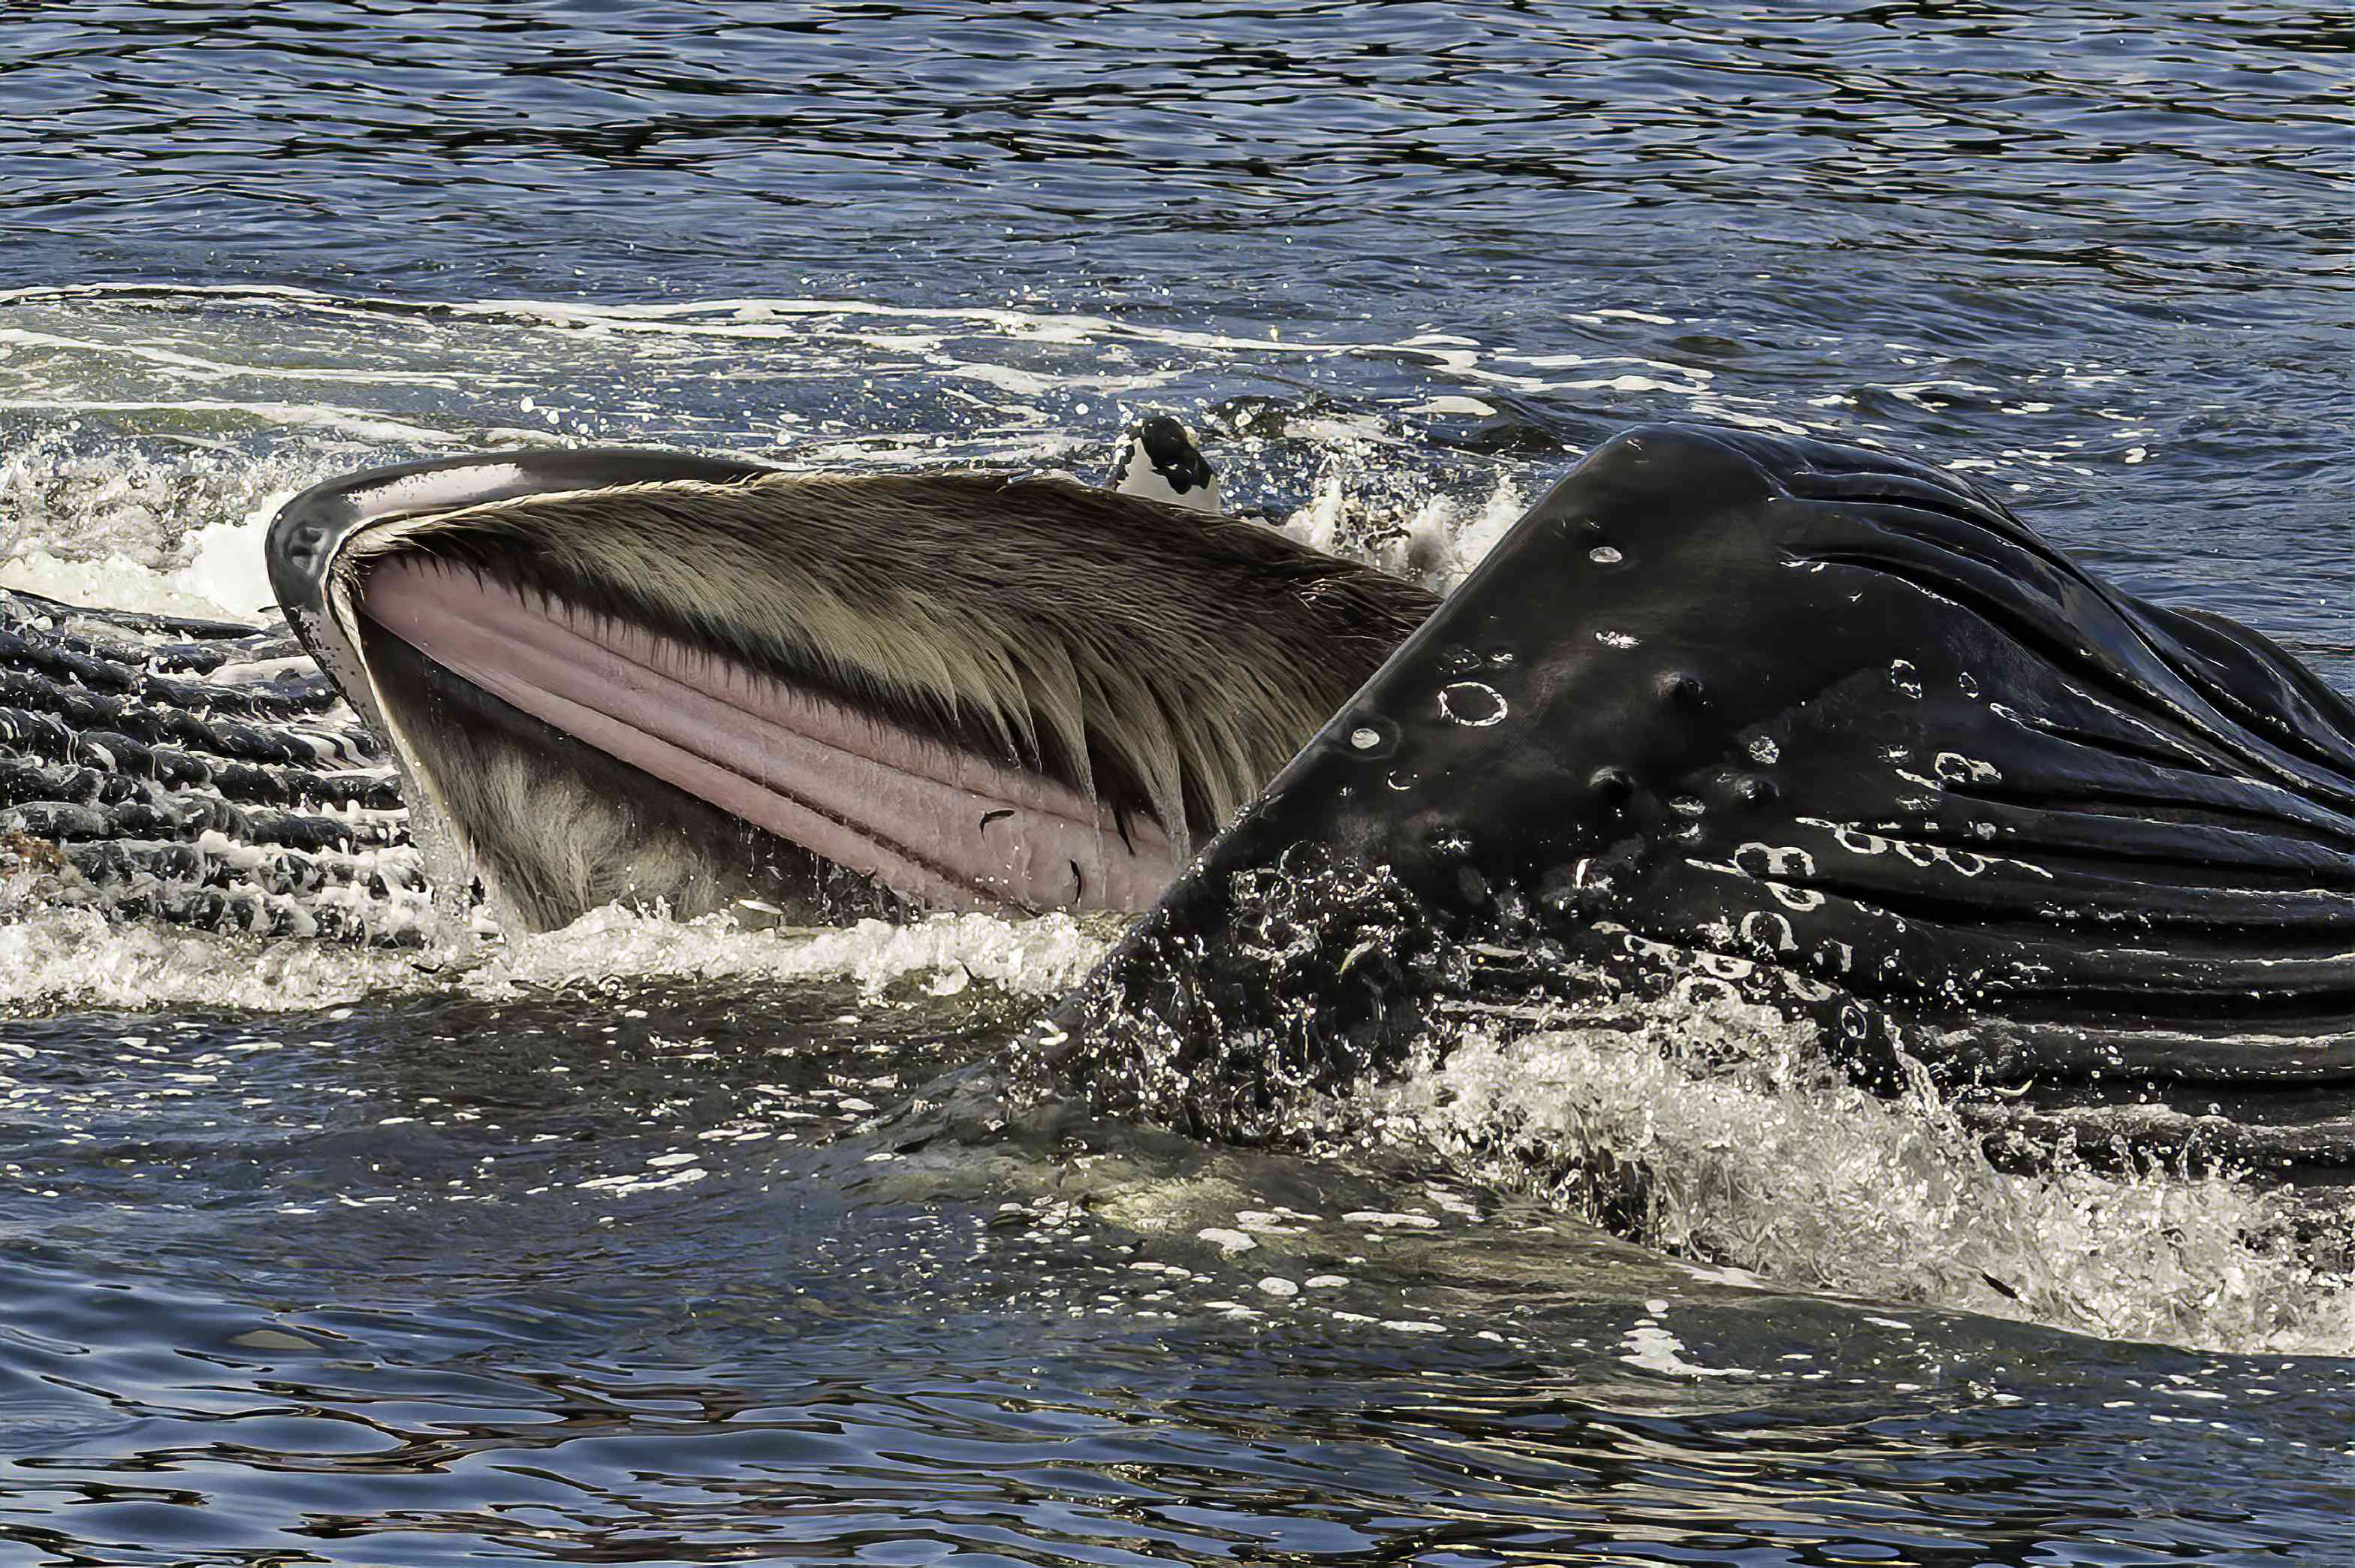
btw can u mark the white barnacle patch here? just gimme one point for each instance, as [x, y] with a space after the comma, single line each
[1616, 639]
[1473, 704]
[1703, 992]
[1956, 768]
[1763, 750]
[1771, 864]
[1765, 928]
[1766, 860]
[1365, 738]
[1905, 677]
[1966, 862]
[1644, 947]
[1402, 780]
[1603, 555]
[1726, 968]
[1850, 837]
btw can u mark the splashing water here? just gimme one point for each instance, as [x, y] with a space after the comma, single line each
[1719, 1131]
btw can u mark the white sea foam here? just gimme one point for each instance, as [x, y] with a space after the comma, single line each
[58, 959]
[1039, 956]
[172, 533]
[1725, 1132]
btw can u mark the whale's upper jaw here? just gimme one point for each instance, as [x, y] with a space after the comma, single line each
[629, 673]
[1160, 462]
[310, 531]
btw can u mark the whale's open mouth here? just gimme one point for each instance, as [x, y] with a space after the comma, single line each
[645, 676]
[944, 824]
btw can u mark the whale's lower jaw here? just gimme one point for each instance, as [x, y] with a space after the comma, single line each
[1776, 723]
[558, 828]
[590, 758]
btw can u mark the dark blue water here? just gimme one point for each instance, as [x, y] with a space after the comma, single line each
[581, 1256]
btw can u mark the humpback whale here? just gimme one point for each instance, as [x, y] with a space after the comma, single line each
[1785, 722]
[1798, 724]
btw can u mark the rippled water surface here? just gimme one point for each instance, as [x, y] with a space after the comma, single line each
[585, 1252]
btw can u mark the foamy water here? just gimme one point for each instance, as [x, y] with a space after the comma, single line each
[1722, 1133]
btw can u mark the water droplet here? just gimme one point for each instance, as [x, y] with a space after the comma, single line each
[1458, 660]
[1603, 555]
[1471, 704]
[1403, 780]
[1616, 639]
[1614, 784]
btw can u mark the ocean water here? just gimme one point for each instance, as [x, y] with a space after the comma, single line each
[588, 1250]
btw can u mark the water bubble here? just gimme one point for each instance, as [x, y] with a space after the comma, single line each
[1458, 660]
[1472, 705]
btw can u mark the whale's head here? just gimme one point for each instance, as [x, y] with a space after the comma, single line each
[1809, 726]
[614, 674]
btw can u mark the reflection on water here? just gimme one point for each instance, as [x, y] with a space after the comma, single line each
[588, 1277]
[589, 1253]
